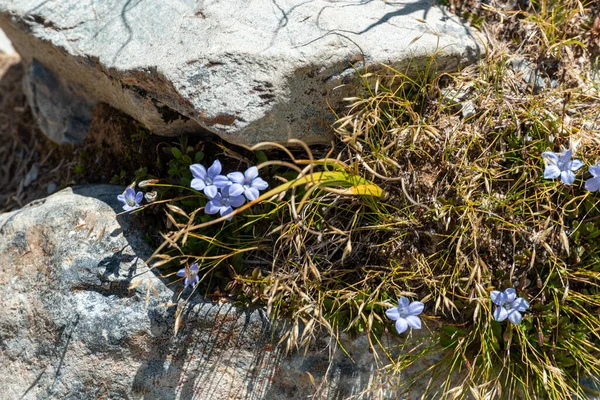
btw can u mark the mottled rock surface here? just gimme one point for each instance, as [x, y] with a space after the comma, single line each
[71, 329]
[248, 71]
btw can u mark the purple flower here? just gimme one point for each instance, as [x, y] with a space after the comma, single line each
[191, 275]
[509, 305]
[130, 199]
[208, 181]
[224, 202]
[249, 182]
[405, 314]
[593, 184]
[561, 165]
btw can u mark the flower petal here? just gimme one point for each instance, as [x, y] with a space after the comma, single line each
[415, 308]
[550, 156]
[551, 172]
[260, 184]
[236, 177]
[127, 207]
[194, 268]
[139, 197]
[226, 211]
[236, 201]
[593, 184]
[565, 157]
[251, 173]
[500, 314]
[211, 191]
[221, 181]
[214, 169]
[212, 207]
[510, 295]
[498, 297]
[198, 171]
[403, 302]
[186, 282]
[520, 304]
[515, 317]
[195, 280]
[251, 193]
[567, 177]
[576, 164]
[181, 272]
[392, 313]
[235, 189]
[130, 193]
[413, 321]
[122, 199]
[198, 184]
[595, 169]
[401, 325]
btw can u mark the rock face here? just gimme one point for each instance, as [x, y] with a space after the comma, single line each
[71, 329]
[248, 71]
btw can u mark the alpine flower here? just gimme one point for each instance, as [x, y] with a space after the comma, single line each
[405, 314]
[224, 202]
[593, 184]
[249, 182]
[209, 180]
[130, 199]
[561, 165]
[509, 305]
[191, 275]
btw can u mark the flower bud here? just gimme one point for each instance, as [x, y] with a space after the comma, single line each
[147, 182]
[150, 196]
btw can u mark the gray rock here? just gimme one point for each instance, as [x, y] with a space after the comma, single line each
[71, 329]
[247, 71]
[468, 109]
[591, 386]
[51, 188]
[5, 44]
[62, 113]
[529, 73]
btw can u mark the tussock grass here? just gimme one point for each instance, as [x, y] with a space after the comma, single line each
[420, 199]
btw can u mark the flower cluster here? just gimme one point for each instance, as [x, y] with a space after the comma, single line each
[509, 305]
[226, 192]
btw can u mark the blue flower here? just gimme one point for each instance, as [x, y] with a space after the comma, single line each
[593, 184]
[249, 182]
[208, 181]
[509, 305]
[130, 199]
[191, 275]
[224, 202]
[405, 314]
[561, 165]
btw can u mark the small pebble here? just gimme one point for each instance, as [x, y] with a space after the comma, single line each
[51, 188]
[31, 175]
[468, 109]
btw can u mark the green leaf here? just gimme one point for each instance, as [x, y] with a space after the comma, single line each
[187, 159]
[198, 157]
[261, 156]
[176, 153]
